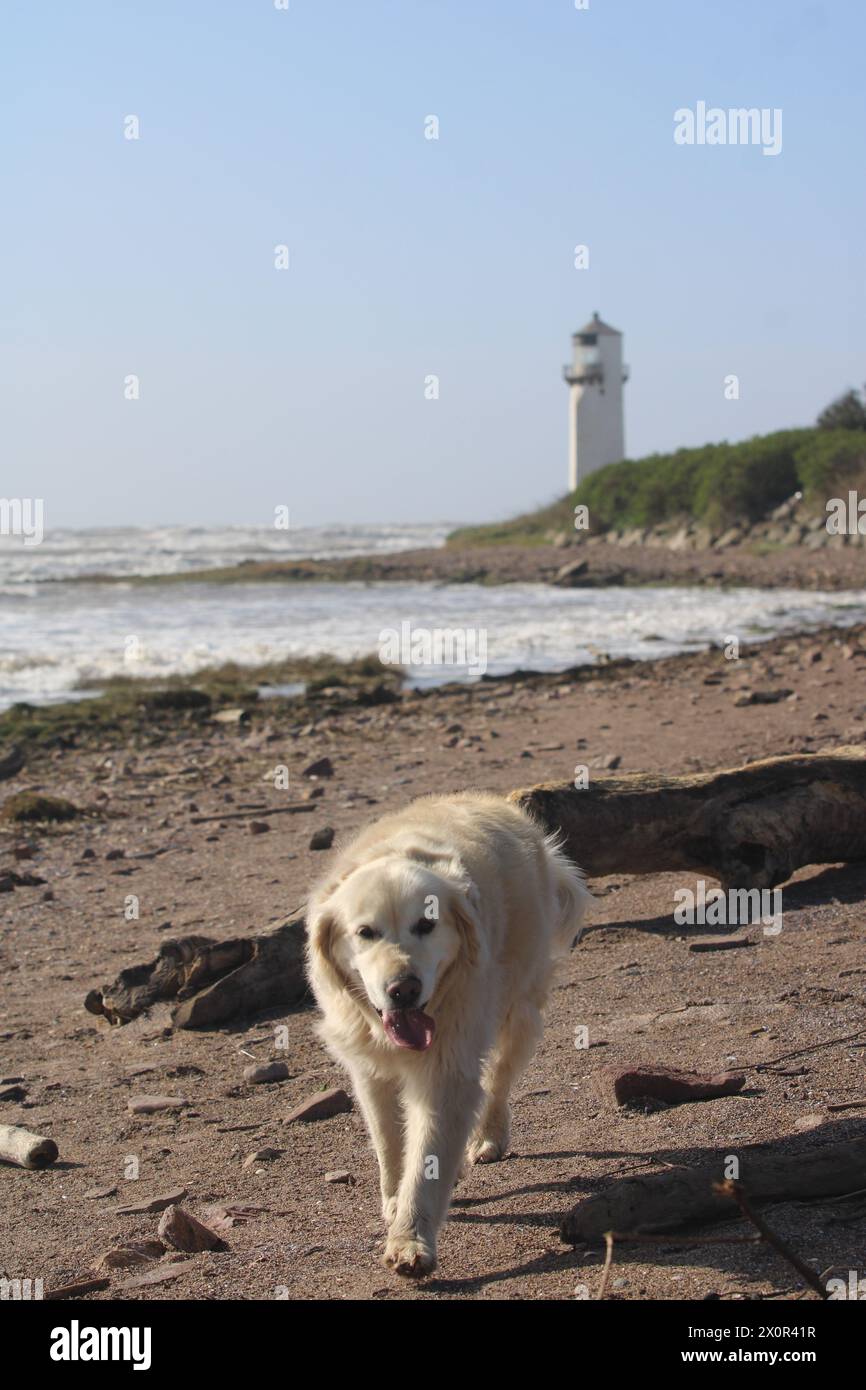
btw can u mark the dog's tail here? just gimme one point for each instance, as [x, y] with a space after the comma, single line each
[573, 898]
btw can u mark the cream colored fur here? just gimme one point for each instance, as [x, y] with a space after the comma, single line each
[507, 902]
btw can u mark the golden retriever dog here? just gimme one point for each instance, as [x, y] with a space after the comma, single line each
[431, 946]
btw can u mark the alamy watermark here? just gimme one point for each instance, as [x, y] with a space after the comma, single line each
[736, 907]
[438, 646]
[23, 516]
[738, 125]
[846, 517]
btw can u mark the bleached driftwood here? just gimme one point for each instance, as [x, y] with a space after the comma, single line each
[749, 827]
[25, 1149]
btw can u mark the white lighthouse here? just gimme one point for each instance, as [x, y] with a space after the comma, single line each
[596, 431]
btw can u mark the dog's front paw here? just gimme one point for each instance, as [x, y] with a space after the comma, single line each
[486, 1151]
[409, 1255]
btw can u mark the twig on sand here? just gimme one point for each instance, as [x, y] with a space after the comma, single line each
[608, 1265]
[611, 1237]
[297, 808]
[733, 1189]
[801, 1051]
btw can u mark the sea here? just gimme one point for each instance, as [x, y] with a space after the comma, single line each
[64, 630]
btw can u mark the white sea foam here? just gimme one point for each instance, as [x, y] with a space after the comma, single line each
[128, 550]
[65, 636]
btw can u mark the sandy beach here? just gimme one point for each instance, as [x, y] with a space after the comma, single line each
[644, 995]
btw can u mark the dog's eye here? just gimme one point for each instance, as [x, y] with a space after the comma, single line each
[424, 926]
[368, 933]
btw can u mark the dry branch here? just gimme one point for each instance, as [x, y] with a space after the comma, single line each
[749, 827]
[214, 981]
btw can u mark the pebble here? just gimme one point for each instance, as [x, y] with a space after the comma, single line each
[262, 1156]
[186, 1232]
[263, 1073]
[150, 1105]
[322, 767]
[320, 1106]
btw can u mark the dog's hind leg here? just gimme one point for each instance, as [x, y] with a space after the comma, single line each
[379, 1102]
[439, 1120]
[515, 1045]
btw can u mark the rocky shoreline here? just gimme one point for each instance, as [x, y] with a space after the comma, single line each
[605, 560]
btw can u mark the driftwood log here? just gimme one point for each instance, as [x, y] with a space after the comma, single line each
[682, 1197]
[749, 827]
[213, 981]
[24, 1149]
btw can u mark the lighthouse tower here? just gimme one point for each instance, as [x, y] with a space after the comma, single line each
[596, 432]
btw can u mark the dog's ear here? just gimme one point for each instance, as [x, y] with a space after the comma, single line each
[465, 907]
[321, 930]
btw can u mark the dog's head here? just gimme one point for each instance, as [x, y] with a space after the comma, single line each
[389, 933]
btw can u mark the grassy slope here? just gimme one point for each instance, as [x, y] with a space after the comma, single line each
[716, 484]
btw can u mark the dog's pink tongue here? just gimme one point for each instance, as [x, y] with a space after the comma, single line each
[409, 1028]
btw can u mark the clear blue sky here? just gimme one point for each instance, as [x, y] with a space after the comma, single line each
[408, 256]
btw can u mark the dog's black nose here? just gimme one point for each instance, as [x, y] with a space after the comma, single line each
[405, 992]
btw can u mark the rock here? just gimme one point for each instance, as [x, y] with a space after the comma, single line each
[377, 695]
[150, 1105]
[116, 854]
[260, 1074]
[669, 1085]
[11, 762]
[13, 1093]
[131, 1253]
[261, 1156]
[168, 1199]
[232, 716]
[322, 1106]
[323, 838]
[340, 1175]
[96, 1192]
[181, 699]
[569, 575]
[25, 807]
[78, 1289]
[223, 1217]
[185, 1232]
[322, 767]
[153, 1276]
[762, 697]
[611, 761]
[259, 827]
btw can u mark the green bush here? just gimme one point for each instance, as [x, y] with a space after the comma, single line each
[716, 485]
[831, 461]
